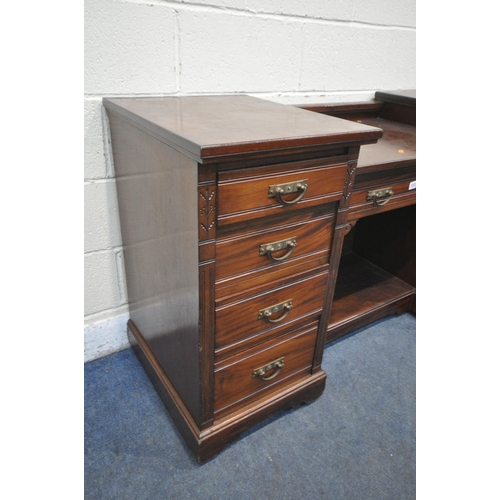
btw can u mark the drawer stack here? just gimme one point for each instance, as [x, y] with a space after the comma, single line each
[275, 227]
[232, 214]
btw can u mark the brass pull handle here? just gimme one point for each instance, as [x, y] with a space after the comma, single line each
[269, 248]
[266, 314]
[291, 187]
[380, 197]
[275, 365]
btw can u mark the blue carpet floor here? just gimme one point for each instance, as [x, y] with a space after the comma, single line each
[357, 441]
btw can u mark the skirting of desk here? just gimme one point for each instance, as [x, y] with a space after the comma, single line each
[204, 443]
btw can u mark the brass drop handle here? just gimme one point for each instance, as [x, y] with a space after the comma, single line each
[266, 314]
[382, 202]
[269, 248]
[380, 197]
[291, 187]
[300, 187]
[275, 365]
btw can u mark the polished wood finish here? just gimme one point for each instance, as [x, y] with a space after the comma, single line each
[239, 320]
[207, 442]
[240, 258]
[144, 169]
[235, 384]
[211, 128]
[246, 197]
[376, 275]
[361, 207]
[397, 147]
[399, 106]
[194, 176]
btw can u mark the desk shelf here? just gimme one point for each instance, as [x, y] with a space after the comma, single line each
[365, 293]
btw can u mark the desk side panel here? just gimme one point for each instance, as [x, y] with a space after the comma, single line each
[157, 198]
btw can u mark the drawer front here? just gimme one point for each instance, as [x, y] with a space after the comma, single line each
[383, 198]
[270, 312]
[265, 250]
[250, 377]
[248, 197]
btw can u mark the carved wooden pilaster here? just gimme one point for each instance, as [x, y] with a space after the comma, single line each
[349, 182]
[206, 343]
[207, 230]
[206, 212]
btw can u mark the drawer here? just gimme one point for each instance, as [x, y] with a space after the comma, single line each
[243, 195]
[384, 198]
[269, 313]
[259, 252]
[238, 381]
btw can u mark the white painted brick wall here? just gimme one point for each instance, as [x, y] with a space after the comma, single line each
[290, 51]
[223, 52]
[129, 48]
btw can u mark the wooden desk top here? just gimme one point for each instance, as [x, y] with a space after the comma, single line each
[205, 127]
[391, 111]
[396, 147]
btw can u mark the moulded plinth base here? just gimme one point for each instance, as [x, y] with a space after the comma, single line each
[211, 440]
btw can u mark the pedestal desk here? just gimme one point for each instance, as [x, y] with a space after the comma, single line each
[233, 212]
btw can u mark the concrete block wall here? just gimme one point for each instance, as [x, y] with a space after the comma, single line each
[290, 51]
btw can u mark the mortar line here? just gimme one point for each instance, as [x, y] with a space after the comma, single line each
[113, 249]
[98, 180]
[193, 6]
[107, 148]
[249, 92]
[301, 55]
[122, 280]
[177, 51]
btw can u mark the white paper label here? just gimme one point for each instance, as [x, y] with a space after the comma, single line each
[413, 185]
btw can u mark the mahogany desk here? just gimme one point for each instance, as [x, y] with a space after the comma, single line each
[239, 217]
[376, 275]
[233, 212]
